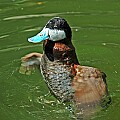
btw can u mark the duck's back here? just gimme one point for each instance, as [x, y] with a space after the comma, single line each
[89, 82]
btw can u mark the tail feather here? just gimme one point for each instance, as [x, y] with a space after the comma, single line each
[29, 63]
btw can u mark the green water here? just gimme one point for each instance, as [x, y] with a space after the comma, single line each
[96, 36]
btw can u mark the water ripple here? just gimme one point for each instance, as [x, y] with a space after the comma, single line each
[92, 13]
[3, 36]
[32, 16]
[18, 48]
[32, 29]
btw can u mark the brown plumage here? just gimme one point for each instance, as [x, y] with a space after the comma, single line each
[84, 86]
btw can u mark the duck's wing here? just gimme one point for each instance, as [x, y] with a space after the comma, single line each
[90, 90]
[30, 62]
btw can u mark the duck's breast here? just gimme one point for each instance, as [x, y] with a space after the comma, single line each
[58, 77]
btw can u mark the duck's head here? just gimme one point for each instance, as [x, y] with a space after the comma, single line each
[57, 40]
[55, 30]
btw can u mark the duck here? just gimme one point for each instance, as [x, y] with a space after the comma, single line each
[85, 87]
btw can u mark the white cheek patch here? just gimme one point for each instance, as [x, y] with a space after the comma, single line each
[56, 35]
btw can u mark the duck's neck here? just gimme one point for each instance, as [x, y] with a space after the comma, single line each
[62, 51]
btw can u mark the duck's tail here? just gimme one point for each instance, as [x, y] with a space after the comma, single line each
[29, 63]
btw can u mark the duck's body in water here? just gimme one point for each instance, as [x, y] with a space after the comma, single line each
[84, 86]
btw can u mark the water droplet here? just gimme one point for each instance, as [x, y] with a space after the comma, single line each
[76, 30]
[103, 43]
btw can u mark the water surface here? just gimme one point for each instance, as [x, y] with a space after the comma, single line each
[96, 36]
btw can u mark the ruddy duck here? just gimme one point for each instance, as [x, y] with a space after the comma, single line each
[84, 86]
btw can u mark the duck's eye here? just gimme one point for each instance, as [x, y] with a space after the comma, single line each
[40, 34]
